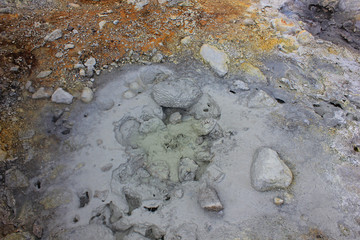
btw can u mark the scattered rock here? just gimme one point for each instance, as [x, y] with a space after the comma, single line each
[252, 73]
[268, 171]
[5, 10]
[135, 236]
[106, 167]
[149, 74]
[69, 46]
[206, 107]
[239, 85]
[102, 24]
[187, 169]
[175, 118]
[182, 93]
[90, 63]
[3, 155]
[14, 178]
[87, 95]
[139, 4]
[15, 69]
[157, 58]
[260, 99]
[116, 22]
[59, 54]
[44, 74]
[278, 201]
[61, 96]
[28, 85]
[209, 200]
[249, 22]
[129, 94]
[216, 58]
[42, 93]
[304, 37]
[56, 34]
[79, 66]
[105, 104]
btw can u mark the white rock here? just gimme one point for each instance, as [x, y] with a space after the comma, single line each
[182, 93]
[74, 5]
[82, 72]
[90, 63]
[87, 95]
[268, 171]
[206, 107]
[102, 24]
[69, 46]
[44, 74]
[56, 34]
[61, 96]
[260, 99]
[216, 58]
[129, 94]
[175, 118]
[116, 22]
[79, 65]
[59, 54]
[42, 93]
[240, 85]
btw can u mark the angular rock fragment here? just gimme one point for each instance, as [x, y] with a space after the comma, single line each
[216, 58]
[268, 171]
[187, 169]
[206, 107]
[182, 93]
[87, 95]
[42, 93]
[44, 74]
[61, 96]
[56, 34]
[209, 200]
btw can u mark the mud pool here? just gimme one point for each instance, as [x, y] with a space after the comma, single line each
[135, 169]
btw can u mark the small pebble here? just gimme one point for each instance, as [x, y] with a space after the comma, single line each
[278, 201]
[116, 22]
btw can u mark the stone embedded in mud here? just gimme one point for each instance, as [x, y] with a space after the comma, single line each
[56, 34]
[159, 170]
[44, 74]
[187, 169]
[151, 125]
[252, 73]
[285, 26]
[129, 94]
[260, 99]
[135, 236]
[216, 58]
[186, 231]
[61, 96]
[175, 118]
[239, 85]
[104, 103]
[149, 74]
[206, 107]
[304, 37]
[126, 131]
[204, 127]
[182, 93]
[42, 93]
[87, 95]
[14, 178]
[209, 200]
[268, 171]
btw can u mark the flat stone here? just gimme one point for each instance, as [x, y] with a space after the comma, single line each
[44, 74]
[56, 34]
[182, 93]
[61, 96]
[69, 46]
[14, 178]
[216, 58]
[268, 171]
[87, 95]
[252, 73]
[42, 93]
[209, 200]
[260, 99]
[206, 107]
[79, 66]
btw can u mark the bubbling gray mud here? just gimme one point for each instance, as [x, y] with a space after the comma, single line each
[138, 170]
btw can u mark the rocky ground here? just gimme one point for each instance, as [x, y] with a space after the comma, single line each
[180, 119]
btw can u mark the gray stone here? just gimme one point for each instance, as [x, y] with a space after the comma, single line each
[28, 85]
[79, 65]
[44, 74]
[59, 54]
[42, 93]
[69, 46]
[209, 200]
[148, 74]
[14, 178]
[90, 63]
[182, 93]
[239, 85]
[20, 236]
[126, 131]
[87, 95]
[61, 96]
[14, 69]
[260, 99]
[56, 34]
[151, 125]
[105, 104]
[175, 118]
[268, 171]
[129, 94]
[187, 170]
[206, 107]
[216, 58]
